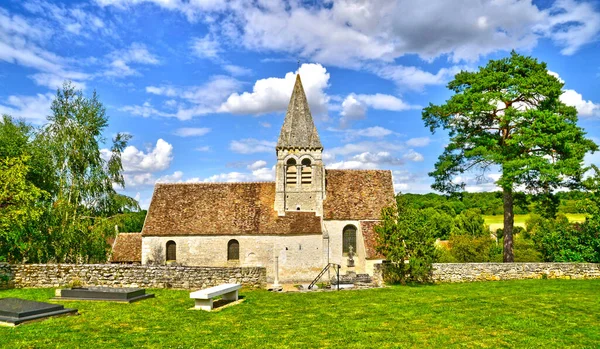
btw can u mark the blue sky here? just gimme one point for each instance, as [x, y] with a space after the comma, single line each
[202, 85]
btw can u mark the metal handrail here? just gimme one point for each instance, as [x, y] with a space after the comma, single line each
[337, 271]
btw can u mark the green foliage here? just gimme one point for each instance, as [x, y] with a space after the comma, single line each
[560, 241]
[406, 239]
[471, 249]
[508, 114]
[471, 223]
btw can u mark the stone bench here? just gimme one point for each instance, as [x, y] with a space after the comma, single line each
[204, 298]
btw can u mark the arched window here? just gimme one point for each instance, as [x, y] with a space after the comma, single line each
[349, 239]
[233, 250]
[171, 251]
[291, 174]
[306, 173]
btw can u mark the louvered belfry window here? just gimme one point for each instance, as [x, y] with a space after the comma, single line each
[349, 239]
[233, 250]
[306, 173]
[291, 175]
[171, 251]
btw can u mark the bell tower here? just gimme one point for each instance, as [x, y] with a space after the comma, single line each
[300, 174]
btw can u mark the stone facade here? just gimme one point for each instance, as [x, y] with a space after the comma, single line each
[298, 196]
[467, 272]
[299, 255]
[115, 275]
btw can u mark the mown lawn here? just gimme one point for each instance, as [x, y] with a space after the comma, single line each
[496, 222]
[525, 313]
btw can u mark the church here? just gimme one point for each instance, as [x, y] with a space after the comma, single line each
[309, 217]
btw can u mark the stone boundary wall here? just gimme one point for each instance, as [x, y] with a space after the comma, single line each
[123, 275]
[467, 272]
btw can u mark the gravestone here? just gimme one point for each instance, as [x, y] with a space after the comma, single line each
[110, 294]
[15, 311]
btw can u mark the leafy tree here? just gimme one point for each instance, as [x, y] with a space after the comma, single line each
[471, 223]
[84, 193]
[508, 114]
[19, 207]
[406, 239]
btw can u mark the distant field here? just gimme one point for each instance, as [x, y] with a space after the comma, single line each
[496, 222]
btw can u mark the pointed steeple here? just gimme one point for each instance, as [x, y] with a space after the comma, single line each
[298, 130]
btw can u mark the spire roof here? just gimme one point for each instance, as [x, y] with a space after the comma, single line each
[298, 130]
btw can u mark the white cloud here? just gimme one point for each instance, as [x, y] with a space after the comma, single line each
[584, 108]
[257, 164]
[120, 61]
[20, 43]
[191, 131]
[352, 32]
[273, 94]
[206, 47]
[154, 159]
[34, 109]
[200, 100]
[145, 110]
[251, 145]
[203, 148]
[354, 106]
[418, 142]
[236, 70]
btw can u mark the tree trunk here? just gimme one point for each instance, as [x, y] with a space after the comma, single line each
[509, 222]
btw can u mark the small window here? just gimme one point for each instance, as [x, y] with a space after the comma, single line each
[233, 250]
[306, 173]
[349, 239]
[171, 251]
[291, 174]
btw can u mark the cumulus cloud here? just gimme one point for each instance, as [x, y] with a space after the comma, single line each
[257, 164]
[584, 108]
[205, 47]
[251, 145]
[191, 131]
[273, 94]
[157, 158]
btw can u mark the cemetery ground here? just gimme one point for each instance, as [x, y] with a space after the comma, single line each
[522, 313]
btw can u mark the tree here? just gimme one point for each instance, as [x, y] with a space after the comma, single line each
[508, 114]
[84, 194]
[19, 207]
[406, 239]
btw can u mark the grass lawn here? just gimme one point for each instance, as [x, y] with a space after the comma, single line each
[496, 222]
[524, 313]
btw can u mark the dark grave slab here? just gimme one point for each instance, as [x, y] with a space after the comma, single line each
[110, 294]
[15, 311]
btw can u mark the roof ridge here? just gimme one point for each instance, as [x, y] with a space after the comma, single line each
[211, 183]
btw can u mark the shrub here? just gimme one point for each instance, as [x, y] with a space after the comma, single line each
[560, 241]
[470, 249]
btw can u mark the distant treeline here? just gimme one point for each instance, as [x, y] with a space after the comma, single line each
[491, 203]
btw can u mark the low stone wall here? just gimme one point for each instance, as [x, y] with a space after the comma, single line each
[464, 272]
[119, 275]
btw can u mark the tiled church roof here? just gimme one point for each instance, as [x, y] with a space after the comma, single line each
[127, 248]
[298, 130]
[248, 208]
[357, 194]
[222, 209]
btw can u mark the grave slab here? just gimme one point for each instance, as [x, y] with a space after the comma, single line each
[107, 294]
[15, 311]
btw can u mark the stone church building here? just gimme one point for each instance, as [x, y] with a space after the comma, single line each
[308, 217]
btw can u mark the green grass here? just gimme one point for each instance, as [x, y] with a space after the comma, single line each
[524, 313]
[496, 222]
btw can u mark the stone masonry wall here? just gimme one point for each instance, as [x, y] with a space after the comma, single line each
[466, 272]
[461, 272]
[120, 275]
